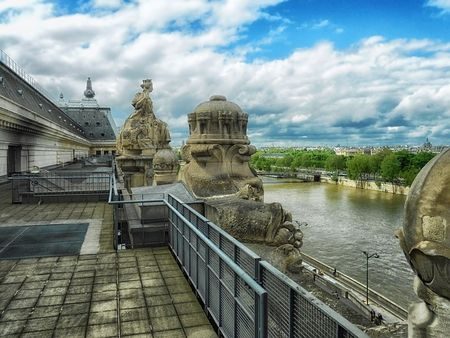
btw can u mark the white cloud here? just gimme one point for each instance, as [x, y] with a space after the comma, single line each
[106, 3]
[320, 24]
[443, 5]
[319, 94]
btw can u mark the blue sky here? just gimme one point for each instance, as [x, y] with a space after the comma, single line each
[345, 22]
[308, 72]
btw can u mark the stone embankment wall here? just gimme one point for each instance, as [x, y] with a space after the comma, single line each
[369, 185]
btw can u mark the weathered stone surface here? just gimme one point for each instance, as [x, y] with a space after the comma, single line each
[218, 150]
[252, 221]
[425, 240]
[288, 258]
[145, 156]
[142, 132]
[217, 169]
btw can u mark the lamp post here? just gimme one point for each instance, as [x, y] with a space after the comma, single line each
[368, 256]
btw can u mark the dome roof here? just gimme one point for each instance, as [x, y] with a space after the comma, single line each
[217, 103]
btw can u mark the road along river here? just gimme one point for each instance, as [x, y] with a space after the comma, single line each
[342, 223]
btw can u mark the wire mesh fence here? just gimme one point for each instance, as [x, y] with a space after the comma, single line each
[245, 296]
[29, 186]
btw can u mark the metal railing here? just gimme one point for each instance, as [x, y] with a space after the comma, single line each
[287, 300]
[10, 63]
[236, 302]
[294, 312]
[245, 296]
[238, 252]
[53, 184]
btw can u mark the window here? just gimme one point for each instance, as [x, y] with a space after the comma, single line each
[98, 152]
[97, 124]
[106, 152]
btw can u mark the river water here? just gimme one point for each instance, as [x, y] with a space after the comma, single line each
[343, 222]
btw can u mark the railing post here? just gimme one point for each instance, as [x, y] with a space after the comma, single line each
[206, 275]
[261, 320]
[291, 312]
[116, 226]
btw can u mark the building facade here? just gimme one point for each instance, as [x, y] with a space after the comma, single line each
[36, 132]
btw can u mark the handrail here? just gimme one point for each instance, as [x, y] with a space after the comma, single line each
[224, 235]
[296, 288]
[267, 285]
[11, 64]
[349, 282]
[26, 177]
[241, 273]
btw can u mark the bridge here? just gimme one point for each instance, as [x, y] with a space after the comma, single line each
[307, 176]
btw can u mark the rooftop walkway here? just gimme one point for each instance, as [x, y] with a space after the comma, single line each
[98, 293]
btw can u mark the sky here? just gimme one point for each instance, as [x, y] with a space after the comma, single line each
[308, 72]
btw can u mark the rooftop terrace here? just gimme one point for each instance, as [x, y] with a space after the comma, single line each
[97, 293]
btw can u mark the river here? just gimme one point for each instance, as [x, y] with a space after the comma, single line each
[343, 222]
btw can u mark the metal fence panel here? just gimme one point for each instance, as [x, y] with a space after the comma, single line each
[228, 314]
[293, 312]
[234, 300]
[223, 272]
[234, 249]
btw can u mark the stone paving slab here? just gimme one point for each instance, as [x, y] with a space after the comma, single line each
[137, 293]
[38, 299]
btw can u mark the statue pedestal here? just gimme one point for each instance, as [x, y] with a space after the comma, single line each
[164, 177]
[137, 170]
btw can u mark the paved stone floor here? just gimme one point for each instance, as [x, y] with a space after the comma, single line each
[132, 293]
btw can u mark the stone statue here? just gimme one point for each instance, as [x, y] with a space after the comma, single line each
[425, 240]
[217, 170]
[218, 151]
[142, 132]
[143, 136]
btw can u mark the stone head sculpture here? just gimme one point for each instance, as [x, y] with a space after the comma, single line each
[425, 240]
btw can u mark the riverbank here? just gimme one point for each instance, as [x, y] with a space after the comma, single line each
[343, 222]
[368, 185]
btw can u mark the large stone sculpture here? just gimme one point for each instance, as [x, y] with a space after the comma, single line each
[145, 156]
[258, 222]
[425, 240]
[217, 169]
[218, 151]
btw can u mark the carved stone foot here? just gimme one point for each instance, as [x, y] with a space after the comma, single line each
[289, 233]
[287, 258]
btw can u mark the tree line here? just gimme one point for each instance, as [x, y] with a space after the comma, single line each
[399, 167]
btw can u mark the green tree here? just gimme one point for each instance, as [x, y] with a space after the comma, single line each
[335, 163]
[390, 168]
[421, 159]
[408, 175]
[358, 167]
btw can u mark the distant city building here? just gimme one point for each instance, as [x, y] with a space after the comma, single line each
[427, 145]
[96, 120]
[351, 151]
